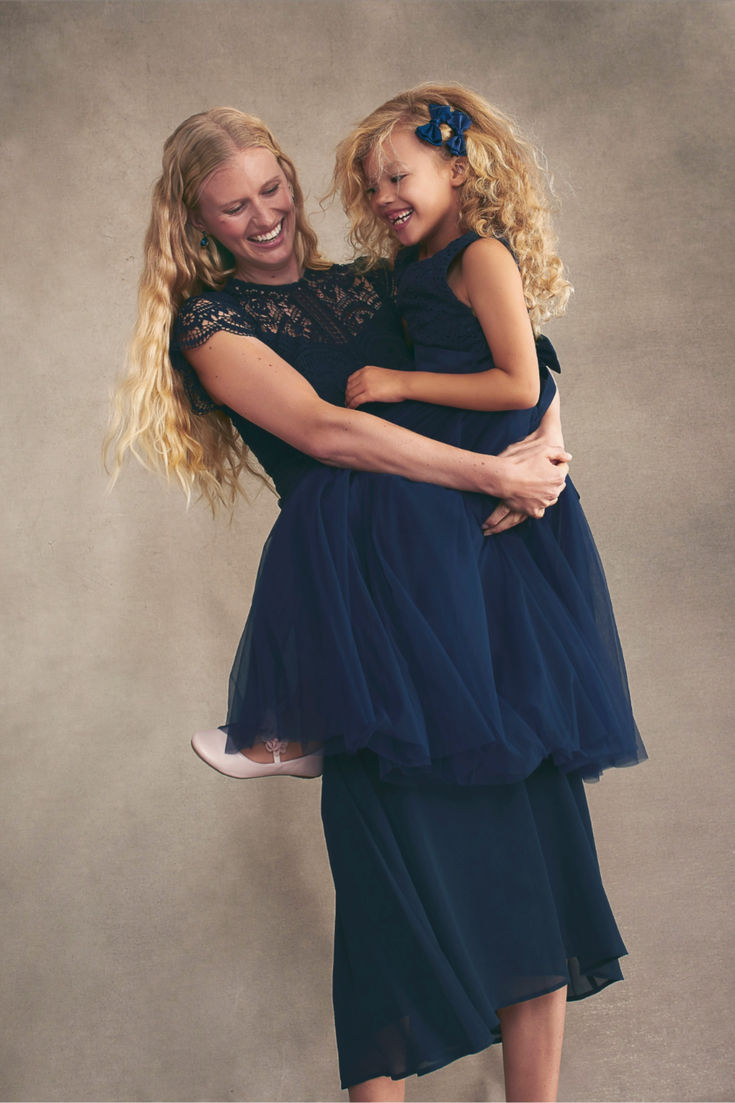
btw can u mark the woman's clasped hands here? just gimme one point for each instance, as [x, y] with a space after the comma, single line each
[539, 468]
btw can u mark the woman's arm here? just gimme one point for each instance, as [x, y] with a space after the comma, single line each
[248, 377]
[488, 281]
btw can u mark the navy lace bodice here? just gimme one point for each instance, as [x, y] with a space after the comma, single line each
[326, 325]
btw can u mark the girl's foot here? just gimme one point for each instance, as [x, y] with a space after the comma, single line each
[264, 760]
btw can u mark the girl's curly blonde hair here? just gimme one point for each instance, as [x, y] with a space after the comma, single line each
[152, 417]
[506, 192]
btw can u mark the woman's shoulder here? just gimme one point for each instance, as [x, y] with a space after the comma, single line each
[204, 314]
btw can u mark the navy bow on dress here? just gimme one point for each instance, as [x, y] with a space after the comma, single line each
[457, 120]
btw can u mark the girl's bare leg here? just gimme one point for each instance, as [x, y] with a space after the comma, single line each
[380, 1090]
[533, 1033]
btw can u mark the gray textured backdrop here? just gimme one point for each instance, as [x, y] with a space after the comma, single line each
[163, 940]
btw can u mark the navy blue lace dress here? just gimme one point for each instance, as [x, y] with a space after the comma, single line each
[460, 686]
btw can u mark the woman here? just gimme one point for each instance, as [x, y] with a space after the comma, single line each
[458, 908]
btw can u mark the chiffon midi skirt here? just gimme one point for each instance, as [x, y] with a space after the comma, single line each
[451, 903]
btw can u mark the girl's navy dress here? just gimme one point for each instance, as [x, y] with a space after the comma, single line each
[460, 685]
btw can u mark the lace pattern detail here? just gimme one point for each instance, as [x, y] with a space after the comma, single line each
[204, 315]
[329, 310]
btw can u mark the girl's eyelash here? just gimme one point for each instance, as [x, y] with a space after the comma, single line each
[395, 179]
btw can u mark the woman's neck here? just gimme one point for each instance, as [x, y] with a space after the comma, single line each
[289, 272]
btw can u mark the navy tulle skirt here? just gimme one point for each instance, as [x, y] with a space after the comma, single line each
[451, 903]
[383, 619]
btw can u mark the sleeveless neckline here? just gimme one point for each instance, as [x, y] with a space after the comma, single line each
[411, 252]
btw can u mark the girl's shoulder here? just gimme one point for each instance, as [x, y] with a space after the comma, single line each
[487, 248]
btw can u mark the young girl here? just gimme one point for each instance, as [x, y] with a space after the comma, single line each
[439, 181]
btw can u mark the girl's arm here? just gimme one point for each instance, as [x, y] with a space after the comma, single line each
[248, 377]
[488, 281]
[550, 430]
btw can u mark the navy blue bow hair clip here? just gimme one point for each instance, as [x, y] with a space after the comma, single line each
[456, 120]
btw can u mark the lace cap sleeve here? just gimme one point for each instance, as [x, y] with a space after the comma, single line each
[198, 319]
[204, 315]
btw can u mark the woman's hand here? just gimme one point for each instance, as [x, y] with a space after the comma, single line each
[372, 384]
[502, 518]
[535, 472]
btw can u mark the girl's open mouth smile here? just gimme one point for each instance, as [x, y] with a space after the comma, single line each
[398, 218]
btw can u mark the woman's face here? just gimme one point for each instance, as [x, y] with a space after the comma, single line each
[247, 206]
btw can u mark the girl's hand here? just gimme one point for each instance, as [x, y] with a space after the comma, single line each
[371, 384]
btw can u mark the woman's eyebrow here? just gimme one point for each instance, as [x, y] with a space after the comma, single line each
[241, 199]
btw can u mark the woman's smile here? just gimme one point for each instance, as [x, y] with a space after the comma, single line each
[270, 237]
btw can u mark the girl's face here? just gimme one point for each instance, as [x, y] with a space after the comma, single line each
[247, 206]
[415, 190]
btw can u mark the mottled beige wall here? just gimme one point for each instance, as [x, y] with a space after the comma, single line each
[163, 939]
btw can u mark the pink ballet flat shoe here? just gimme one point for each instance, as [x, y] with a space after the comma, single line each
[210, 746]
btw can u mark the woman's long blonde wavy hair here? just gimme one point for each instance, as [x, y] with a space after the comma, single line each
[506, 192]
[152, 417]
